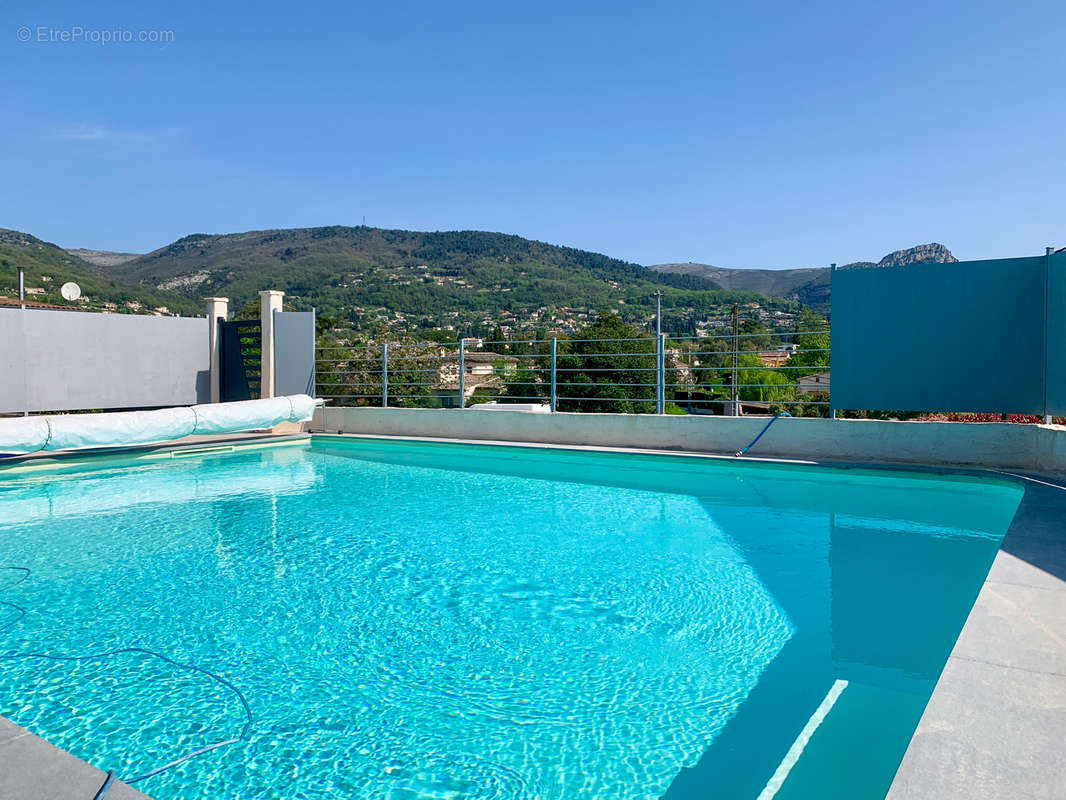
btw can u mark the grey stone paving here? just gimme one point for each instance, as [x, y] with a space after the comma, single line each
[32, 769]
[995, 727]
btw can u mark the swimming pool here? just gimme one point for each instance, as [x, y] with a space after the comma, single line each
[415, 620]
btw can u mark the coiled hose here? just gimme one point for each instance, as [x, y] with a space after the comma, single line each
[248, 719]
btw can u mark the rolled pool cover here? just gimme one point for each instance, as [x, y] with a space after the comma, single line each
[20, 435]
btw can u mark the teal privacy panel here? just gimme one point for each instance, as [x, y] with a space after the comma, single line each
[1056, 335]
[967, 336]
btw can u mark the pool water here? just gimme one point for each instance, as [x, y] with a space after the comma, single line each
[415, 620]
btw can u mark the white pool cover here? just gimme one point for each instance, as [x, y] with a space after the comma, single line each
[122, 428]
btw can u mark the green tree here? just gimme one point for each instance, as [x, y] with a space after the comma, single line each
[713, 357]
[528, 383]
[753, 335]
[610, 366]
[345, 374]
[813, 344]
[759, 384]
[498, 340]
[351, 373]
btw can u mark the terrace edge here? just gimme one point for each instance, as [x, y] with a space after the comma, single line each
[1008, 446]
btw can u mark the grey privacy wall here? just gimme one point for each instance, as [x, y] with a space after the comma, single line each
[294, 352]
[67, 360]
[985, 336]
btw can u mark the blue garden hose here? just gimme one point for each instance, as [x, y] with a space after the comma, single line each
[108, 780]
[743, 450]
[245, 729]
[20, 611]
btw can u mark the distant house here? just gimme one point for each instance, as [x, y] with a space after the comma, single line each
[778, 356]
[812, 384]
[773, 358]
[14, 302]
[483, 364]
[480, 370]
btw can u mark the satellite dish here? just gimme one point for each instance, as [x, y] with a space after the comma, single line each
[70, 291]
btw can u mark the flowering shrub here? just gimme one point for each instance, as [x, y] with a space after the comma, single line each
[1020, 419]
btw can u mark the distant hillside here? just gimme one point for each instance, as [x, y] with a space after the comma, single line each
[770, 282]
[48, 267]
[464, 281]
[919, 254]
[103, 258]
[809, 286]
[370, 276]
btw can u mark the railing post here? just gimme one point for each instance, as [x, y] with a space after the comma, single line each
[385, 375]
[1048, 253]
[462, 372]
[734, 397]
[660, 383]
[832, 408]
[554, 357]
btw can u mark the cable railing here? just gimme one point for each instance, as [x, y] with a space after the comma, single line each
[731, 374]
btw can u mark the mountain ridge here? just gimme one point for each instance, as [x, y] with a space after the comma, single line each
[807, 285]
[428, 279]
[373, 278]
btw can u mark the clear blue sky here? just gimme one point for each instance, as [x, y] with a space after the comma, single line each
[745, 134]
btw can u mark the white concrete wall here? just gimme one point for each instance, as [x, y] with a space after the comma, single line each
[1039, 448]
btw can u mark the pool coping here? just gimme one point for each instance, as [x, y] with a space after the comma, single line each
[993, 726]
[188, 445]
[35, 768]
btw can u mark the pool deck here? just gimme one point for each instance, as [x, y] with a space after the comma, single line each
[186, 444]
[995, 726]
[32, 768]
[993, 729]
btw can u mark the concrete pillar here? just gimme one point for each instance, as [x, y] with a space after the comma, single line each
[270, 301]
[217, 309]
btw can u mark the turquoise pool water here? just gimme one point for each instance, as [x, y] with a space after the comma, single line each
[440, 621]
